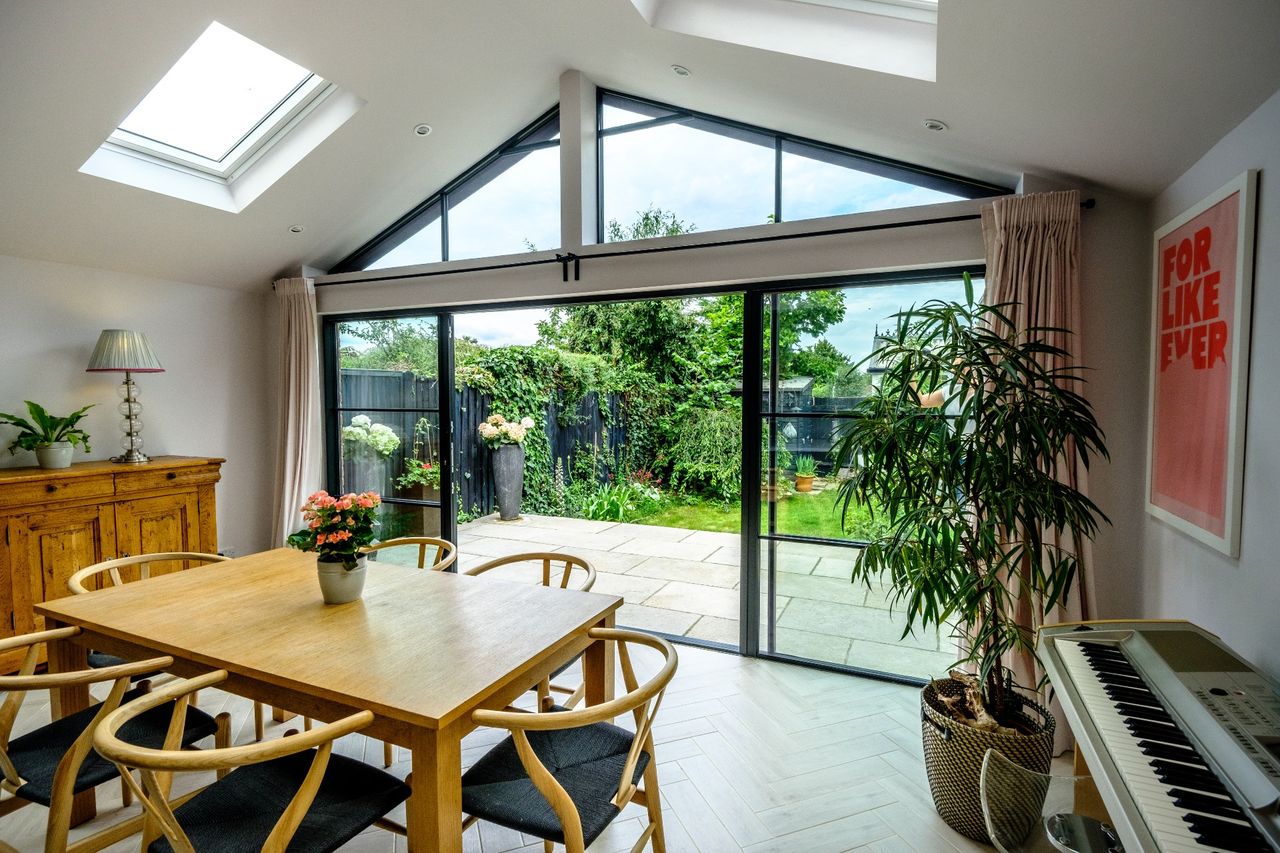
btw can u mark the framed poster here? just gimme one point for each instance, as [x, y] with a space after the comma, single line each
[1199, 365]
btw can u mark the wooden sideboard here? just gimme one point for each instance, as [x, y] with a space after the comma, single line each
[58, 521]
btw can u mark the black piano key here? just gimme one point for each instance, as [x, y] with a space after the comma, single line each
[1221, 833]
[1186, 777]
[1197, 802]
[1097, 651]
[1171, 753]
[1121, 680]
[1133, 697]
[1250, 845]
[1158, 732]
[1119, 667]
[1143, 712]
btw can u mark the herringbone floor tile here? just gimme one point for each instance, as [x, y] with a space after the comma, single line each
[753, 756]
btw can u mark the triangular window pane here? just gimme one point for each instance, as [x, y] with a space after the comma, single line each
[820, 182]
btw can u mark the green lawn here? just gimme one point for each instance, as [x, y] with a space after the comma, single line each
[801, 514]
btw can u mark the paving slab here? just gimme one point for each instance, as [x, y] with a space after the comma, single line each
[606, 561]
[687, 570]
[576, 525]
[633, 590]
[821, 588]
[664, 548]
[488, 547]
[655, 619]
[696, 598]
[716, 630]
[809, 644]
[726, 556]
[709, 537]
[836, 566]
[846, 620]
[899, 659]
[654, 532]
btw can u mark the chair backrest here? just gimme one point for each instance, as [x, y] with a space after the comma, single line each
[112, 568]
[443, 552]
[16, 687]
[156, 766]
[641, 700]
[562, 570]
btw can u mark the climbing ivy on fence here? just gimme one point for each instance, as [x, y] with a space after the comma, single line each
[523, 381]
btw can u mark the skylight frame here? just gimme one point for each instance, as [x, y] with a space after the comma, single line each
[272, 126]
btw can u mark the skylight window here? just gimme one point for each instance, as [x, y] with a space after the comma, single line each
[891, 36]
[223, 96]
[222, 88]
[218, 115]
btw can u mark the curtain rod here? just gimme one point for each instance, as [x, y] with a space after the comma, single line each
[569, 257]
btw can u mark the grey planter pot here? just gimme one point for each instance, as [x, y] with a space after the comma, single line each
[56, 455]
[339, 586]
[508, 480]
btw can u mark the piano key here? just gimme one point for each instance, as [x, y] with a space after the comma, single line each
[1154, 797]
[1172, 753]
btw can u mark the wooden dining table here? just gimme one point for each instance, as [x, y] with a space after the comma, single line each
[422, 650]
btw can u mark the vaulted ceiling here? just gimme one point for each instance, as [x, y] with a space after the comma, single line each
[1124, 95]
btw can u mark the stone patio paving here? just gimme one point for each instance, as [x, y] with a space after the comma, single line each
[685, 583]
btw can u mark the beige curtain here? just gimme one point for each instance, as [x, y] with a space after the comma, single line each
[1033, 261]
[298, 467]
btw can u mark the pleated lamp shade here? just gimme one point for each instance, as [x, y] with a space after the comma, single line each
[119, 350]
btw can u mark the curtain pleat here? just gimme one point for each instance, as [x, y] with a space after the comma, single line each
[1033, 267]
[298, 467]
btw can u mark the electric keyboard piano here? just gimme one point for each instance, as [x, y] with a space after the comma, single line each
[1181, 735]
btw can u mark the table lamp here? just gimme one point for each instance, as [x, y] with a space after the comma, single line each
[123, 351]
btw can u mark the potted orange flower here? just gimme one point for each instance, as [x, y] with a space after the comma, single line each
[338, 529]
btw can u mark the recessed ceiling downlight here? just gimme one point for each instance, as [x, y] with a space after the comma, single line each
[297, 229]
[681, 71]
[935, 124]
[422, 129]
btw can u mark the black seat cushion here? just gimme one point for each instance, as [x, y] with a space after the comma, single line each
[36, 754]
[102, 660]
[587, 762]
[238, 812]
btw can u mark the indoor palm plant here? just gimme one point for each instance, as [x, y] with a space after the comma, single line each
[979, 525]
[51, 437]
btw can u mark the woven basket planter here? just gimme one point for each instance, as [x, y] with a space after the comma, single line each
[953, 754]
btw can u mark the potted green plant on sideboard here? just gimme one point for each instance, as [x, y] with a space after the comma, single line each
[979, 524]
[53, 438]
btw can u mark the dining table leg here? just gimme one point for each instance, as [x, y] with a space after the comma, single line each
[434, 811]
[597, 667]
[66, 656]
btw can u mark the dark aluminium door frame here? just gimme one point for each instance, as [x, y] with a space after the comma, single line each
[755, 527]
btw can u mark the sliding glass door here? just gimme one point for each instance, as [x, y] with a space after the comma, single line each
[388, 432]
[812, 373]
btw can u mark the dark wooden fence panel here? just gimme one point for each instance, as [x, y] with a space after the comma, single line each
[375, 391]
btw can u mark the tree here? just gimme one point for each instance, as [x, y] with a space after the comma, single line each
[650, 222]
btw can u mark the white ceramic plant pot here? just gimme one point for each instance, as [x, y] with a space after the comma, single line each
[337, 584]
[56, 455]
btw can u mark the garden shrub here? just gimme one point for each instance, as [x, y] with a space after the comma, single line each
[707, 456]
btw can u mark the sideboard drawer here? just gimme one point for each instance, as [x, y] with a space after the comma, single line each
[143, 480]
[54, 489]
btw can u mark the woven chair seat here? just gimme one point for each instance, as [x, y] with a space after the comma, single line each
[36, 754]
[237, 812]
[587, 762]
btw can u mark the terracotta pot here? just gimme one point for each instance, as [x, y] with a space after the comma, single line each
[803, 483]
[338, 584]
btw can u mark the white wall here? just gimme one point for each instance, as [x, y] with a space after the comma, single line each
[211, 401]
[1236, 599]
[1113, 278]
